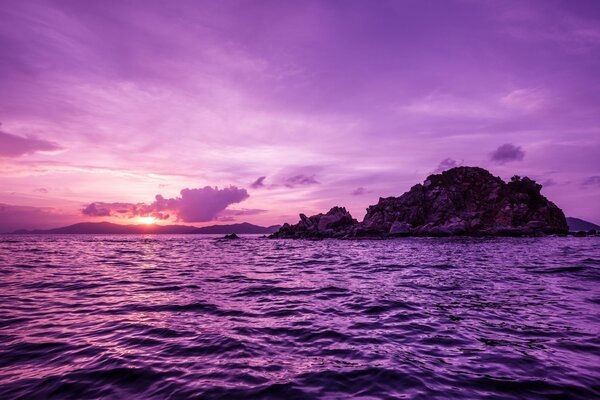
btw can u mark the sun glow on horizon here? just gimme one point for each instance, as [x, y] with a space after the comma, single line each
[148, 220]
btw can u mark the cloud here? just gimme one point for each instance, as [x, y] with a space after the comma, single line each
[200, 205]
[358, 191]
[40, 190]
[99, 209]
[246, 211]
[443, 105]
[194, 205]
[300, 180]
[225, 218]
[592, 181]
[16, 146]
[64, 72]
[230, 215]
[445, 164]
[526, 100]
[258, 183]
[506, 153]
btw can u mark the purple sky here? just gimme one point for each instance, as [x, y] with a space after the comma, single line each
[218, 111]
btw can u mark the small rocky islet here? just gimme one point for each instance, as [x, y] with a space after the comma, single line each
[467, 201]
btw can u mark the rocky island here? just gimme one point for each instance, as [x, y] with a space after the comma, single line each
[467, 201]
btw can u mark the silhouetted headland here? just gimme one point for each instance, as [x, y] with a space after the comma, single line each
[466, 201]
[578, 225]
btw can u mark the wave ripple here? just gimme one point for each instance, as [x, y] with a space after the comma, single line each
[194, 317]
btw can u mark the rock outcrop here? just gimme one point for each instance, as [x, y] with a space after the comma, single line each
[460, 201]
[337, 223]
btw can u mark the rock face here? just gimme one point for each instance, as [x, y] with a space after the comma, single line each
[460, 201]
[466, 201]
[337, 223]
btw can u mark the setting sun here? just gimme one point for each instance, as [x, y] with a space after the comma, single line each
[147, 220]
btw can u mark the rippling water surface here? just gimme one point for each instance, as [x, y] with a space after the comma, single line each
[198, 317]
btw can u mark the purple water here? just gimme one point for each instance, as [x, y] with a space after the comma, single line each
[197, 317]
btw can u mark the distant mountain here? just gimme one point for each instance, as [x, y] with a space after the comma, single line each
[576, 225]
[108, 228]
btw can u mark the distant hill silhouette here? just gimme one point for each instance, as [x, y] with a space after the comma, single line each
[115, 229]
[576, 225]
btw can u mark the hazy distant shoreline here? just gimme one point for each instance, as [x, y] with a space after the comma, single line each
[577, 226]
[117, 229]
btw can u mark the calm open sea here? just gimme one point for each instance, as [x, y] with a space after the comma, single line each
[198, 317]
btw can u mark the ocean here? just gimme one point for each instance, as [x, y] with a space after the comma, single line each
[178, 317]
